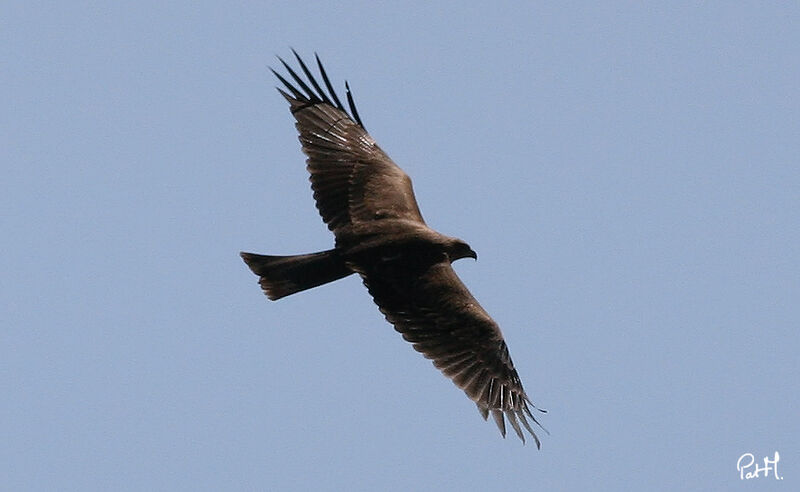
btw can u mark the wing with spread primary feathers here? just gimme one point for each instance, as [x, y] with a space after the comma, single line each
[432, 309]
[352, 178]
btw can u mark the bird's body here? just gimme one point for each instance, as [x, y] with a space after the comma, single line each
[368, 203]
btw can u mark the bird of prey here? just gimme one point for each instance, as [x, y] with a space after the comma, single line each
[368, 203]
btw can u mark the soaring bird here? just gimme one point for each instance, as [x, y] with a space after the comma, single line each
[368, 203]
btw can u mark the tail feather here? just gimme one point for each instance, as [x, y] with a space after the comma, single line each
[285, 275]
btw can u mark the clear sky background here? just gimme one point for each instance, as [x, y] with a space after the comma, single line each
[628, 173]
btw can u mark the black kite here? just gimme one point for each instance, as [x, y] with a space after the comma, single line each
[368, 203]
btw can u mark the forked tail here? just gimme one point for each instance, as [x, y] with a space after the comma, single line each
[284, 275]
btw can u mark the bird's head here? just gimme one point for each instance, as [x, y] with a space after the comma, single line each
[459, 249]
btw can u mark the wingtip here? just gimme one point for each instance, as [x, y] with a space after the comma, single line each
[500, 421]
[286, 96]
[515, 418]
[512, 419]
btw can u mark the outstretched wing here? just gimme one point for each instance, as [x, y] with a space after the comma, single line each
[432, 309]
[352, 178]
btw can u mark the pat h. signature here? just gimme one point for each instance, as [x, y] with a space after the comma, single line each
[748, 468]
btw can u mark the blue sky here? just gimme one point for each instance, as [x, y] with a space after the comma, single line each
[627, 172]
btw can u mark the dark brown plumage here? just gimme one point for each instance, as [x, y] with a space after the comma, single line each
[368, 203]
